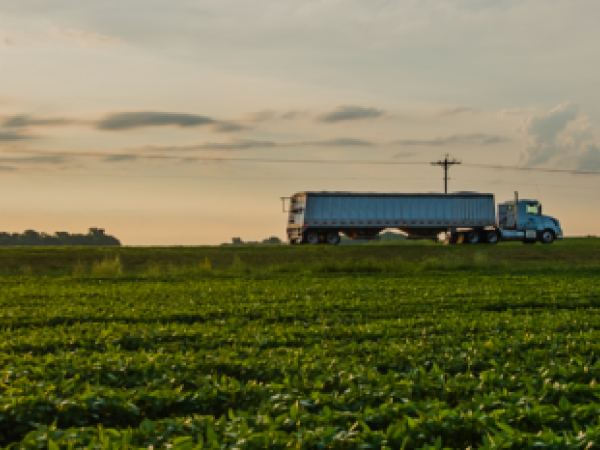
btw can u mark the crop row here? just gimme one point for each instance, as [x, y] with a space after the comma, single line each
[342, 362]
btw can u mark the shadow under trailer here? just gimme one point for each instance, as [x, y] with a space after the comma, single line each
[464, 217]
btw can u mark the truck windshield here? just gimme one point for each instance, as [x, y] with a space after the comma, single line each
[534, 209]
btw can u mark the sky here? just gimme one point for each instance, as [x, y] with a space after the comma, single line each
[143, 117]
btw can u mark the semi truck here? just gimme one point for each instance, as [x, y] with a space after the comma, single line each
[463, 217]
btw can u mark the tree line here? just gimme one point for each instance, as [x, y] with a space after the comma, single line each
[95, 237]
[273, 240]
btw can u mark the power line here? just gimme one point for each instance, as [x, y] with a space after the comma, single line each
[242, 178]
[132, 156]
[267, 178]
[534, 169]
[570, 186]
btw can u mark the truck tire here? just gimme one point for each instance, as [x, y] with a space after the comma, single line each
[333, 238]
[472, 237]
[491, 236]
[312, 238]
[547, 237]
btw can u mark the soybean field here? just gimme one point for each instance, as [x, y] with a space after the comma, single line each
[399, 346]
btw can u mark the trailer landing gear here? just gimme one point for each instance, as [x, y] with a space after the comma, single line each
[451, 238]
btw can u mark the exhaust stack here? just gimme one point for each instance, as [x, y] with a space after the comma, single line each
[516, 210]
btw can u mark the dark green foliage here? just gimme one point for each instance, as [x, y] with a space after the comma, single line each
[273, 240]
[351, 356]
[94, 237]
[569, 255]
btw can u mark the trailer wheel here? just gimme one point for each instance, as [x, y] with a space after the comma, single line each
[472, 237]
[312, 237]
[547, 237]
[333, 238]
[491, 236]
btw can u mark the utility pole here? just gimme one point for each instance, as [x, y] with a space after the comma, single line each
[445, 163]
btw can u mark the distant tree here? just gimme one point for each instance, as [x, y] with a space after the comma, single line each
[62, 237]
[95, 236]
[273, 240]
[97, 232]
[5, 238]
[47, 239]
[30, 237]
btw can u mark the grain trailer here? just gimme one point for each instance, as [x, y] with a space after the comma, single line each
[465, 217]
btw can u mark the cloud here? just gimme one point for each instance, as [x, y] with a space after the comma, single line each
[543, 135]
[152, 151]
[289, 115]
[40, 159]
[132, 120]
[250, 144]
[457, 139]
[589, 159]
[143, 119]
[125, 122]
[20, 157]
[235, 144]
[561, 137]
[24, 121]
[12, 136]
[120, 158]
[455, 111]
[245, 144]
[167, 152]
[227, 127]
[268, 115]
[262, 116]
[339, 142]
[514, 112]
[12, 127]
[53, 159]
[344, 113]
